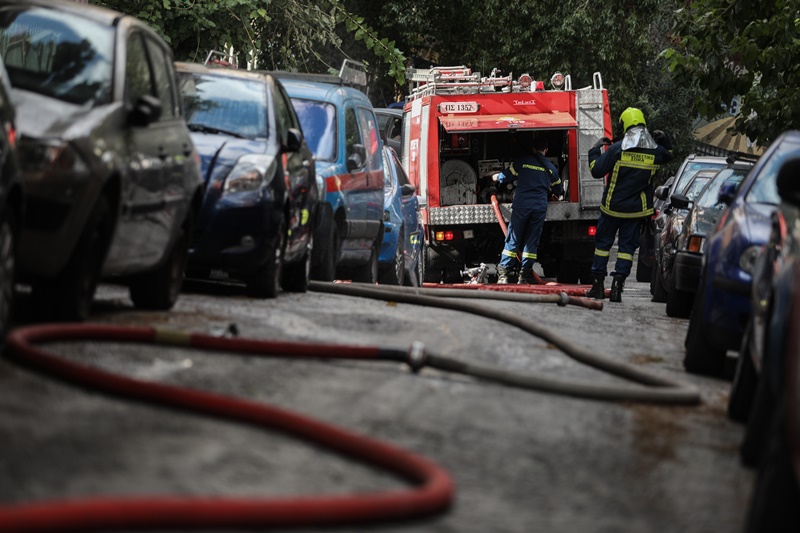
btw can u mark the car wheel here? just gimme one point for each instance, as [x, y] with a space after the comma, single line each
[659, 293]
[394, 274]
[743, 387]
[159, 289]
[368, 273]
[755, 434]
[297, 275]
[420, 272]
[701, 357]
[264, 282]
[773, 506]
[326, 251]
[679, 303]
[643, 272]
[7, 270]
[430, 274]
[73, 289]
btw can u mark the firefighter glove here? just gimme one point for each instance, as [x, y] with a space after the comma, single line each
[605, 141]
[495, 176]
[662, 138]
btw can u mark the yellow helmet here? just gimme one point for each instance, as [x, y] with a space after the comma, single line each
[631, 117]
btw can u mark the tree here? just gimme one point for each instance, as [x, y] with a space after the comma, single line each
[745, 48]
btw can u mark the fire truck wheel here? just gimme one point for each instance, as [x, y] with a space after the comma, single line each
[585, 273]
[568, 272]
[430, 274]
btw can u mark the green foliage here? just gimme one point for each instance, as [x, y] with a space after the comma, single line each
[745, 48]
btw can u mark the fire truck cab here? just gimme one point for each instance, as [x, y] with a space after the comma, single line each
[460, 128]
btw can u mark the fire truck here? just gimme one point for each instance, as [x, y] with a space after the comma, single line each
[460, 128]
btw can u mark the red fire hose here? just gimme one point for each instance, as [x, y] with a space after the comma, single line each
[500, 220]
[433, 490]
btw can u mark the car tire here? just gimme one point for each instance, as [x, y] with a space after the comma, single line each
[326, 242]
[368, 273]
[159, 289]
[659, 293]
[8, 248]
[743, 388]
[420, 270]
[297, 275]
[755, 434]
[679, 303]
[73, 289]
[394, 274]
[701, 357]
[430, 274]
[773, 505]
[264, 282]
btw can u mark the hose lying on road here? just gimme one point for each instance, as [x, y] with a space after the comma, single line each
[659, 390]
[433, 491]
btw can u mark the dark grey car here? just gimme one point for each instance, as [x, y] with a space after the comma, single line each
[110, 170]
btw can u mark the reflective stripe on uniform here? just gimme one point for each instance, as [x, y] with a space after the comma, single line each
[601, 253]
[629, 257]
[618, 214]
[512, 170]
[629, 160]
[510, 253]
[528, 255]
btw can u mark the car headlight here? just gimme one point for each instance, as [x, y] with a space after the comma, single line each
[251, 173]
[747, 261]
[36, 156]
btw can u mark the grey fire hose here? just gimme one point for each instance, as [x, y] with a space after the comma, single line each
[658, 389]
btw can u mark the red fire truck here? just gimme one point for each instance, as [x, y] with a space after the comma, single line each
[460, 128]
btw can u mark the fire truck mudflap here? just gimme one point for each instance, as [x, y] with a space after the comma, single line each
[460, 128]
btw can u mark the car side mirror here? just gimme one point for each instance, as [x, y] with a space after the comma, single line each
[680, 201]
[727, 193]
[788, 181]
[357, 157]
[294, 140]
[408, 190]
[661, 192]
[146, 111]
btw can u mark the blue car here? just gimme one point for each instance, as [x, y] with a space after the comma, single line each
[341, 129]
[722, 305]
[770, 357]
[257, 220]
[399, 260]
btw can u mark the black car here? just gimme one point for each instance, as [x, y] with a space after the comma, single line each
[12, 199]
[111, 175]
[703, 216]
[260, 207]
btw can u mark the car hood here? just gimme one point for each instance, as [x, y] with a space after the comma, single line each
[756, 221]
[219, 153]
[43, 117]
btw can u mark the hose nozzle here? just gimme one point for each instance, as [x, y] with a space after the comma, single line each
[416, 356]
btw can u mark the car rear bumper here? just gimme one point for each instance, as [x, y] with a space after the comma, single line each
[687, 271]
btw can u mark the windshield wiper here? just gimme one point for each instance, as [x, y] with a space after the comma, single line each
[211, 129]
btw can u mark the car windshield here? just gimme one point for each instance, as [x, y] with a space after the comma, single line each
[692, 168]
[225, 104]
[57, 54]
[318, 120]
[696, 186]
[709, 197]
[764, 190]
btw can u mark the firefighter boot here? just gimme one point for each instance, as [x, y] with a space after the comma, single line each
[598, 291]
[616, 289]
[525, 277]
[502, 276]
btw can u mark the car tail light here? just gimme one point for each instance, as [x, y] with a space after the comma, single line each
[592, 231]
[695, 244]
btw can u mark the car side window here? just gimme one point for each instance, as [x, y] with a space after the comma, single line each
[164, 79]
[369, 131]
[283, 118]
[293, 121]
[138, 81]
[352, 135]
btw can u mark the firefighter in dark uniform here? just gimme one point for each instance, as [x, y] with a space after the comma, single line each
[630, 165]
[537, 179]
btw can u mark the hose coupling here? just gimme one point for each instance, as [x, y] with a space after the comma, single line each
[564, 299]
[416, 356]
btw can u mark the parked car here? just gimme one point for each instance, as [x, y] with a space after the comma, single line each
[651, 228]
[111, 175]
[12, 201]
[722, 305]
[773, 426]
[341, 129]
[390, 122]
[400, 259]
[257, 220]
[703, 216]
[666, 242]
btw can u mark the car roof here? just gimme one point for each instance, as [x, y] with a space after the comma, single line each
[99, 14]
[326, 92]
[199, 68]
[388, 111]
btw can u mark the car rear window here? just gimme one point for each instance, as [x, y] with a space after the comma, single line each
[690, 170]
[229, 104]
[57, 54]
[318, 120]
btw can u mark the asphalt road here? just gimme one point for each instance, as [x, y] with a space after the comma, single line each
[522, 461]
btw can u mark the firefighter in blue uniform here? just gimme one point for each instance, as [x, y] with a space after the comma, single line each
[627, 197]
[537, 179]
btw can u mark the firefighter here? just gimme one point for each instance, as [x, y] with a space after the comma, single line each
[630, 165]
[537, 179]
